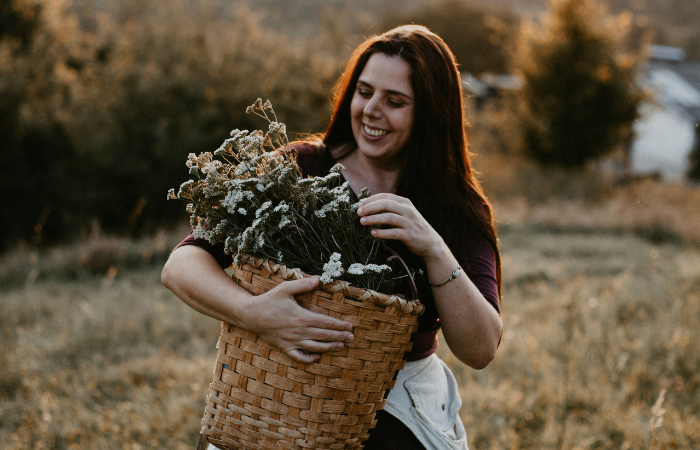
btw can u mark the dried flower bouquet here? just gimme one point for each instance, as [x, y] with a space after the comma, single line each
[251, 195]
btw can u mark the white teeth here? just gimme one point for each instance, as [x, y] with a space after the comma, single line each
[373, 132]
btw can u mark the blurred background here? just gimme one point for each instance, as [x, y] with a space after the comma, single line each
[584, 124]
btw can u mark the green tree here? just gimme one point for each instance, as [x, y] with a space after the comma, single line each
[579, 96]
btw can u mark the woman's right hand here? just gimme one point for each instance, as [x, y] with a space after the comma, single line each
[280, 320]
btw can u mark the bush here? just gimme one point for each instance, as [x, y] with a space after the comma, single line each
[580, 94]
[477, 34]
[101, 108]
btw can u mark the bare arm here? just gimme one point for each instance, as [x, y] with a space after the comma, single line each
[471, 326]
[194, 276]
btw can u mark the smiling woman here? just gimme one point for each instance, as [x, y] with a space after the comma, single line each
[398, 129]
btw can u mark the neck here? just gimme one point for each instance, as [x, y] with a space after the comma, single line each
[377, 176]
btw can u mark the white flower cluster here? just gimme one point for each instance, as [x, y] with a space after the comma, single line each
[332, 269]
[342, 196]
[361, 269]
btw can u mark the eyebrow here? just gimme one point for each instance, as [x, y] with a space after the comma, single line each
[388, 91]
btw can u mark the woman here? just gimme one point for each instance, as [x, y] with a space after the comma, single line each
[397, 128]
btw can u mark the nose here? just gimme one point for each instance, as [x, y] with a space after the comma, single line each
[372, 107]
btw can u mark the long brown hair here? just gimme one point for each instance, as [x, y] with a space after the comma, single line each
[437, 178]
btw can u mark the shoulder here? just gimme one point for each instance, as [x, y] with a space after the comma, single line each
[312, 158]
[307, 149]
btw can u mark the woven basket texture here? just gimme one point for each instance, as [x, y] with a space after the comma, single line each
[262, 399]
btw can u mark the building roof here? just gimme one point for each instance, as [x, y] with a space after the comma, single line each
[678, 83]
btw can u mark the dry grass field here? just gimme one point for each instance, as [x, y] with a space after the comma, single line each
[599, 321]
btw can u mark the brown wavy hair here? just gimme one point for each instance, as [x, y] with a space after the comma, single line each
[438, 177]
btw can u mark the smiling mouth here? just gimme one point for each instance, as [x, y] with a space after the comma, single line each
[374, 132]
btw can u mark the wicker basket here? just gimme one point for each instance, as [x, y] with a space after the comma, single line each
[262, 399]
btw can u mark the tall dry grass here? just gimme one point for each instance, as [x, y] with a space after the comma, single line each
[597, 324]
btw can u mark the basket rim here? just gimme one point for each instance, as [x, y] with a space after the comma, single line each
[411, 307]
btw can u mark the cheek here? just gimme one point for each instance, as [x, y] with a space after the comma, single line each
[405, 121]
[356, 107]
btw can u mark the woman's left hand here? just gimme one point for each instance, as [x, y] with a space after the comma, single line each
[402, 222]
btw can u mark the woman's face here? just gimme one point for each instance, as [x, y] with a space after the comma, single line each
[382, 109]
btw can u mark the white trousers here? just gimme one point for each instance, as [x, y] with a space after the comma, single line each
[426, 399]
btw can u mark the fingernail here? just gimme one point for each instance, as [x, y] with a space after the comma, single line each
[359, 210]
[340, 345]
[350, 337]
[363, 220]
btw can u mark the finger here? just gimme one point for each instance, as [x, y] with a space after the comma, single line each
[294, 287]
[382, 196]
[378, 207]
[390, 219]
[311, 318]
[311, 346]
[327, 335]
[303, 357]
[320, 321]
[396, 234]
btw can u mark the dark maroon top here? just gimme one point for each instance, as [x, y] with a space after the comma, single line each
[474, 255]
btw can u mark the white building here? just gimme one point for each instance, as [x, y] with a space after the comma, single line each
[668, 127]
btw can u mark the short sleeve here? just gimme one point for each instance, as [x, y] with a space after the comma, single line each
[215, 250]
[478, 260]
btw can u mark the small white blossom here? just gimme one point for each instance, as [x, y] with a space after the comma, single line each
[283, 207]
[342, 189]
[262, 208]
[361, 269]
[332, 269]
[238, 259]
[184, 186]
[356, 269]
[259, 220]
[201, 232]
[284, 222]
[242, 168]
[230, 244]
[331, 207]
[242, 211]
